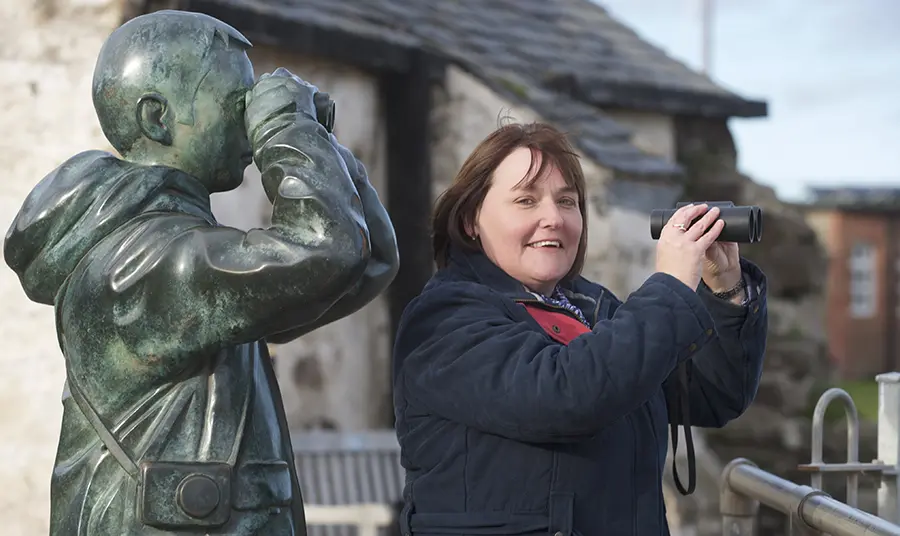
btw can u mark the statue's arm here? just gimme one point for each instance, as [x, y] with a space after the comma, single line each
[383, 263]
[202, 287]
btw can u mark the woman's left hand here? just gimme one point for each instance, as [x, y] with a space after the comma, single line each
[722, 267]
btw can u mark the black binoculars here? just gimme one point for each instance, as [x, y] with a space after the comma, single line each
[742, 224]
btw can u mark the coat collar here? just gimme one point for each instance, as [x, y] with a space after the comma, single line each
[476, 266]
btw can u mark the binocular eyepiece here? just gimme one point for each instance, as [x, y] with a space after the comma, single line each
[325, 110]
[742, 224]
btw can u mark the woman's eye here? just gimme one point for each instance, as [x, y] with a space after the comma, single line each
[568, 202]
[524, 201]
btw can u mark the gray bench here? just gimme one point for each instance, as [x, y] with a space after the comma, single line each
[346, 469]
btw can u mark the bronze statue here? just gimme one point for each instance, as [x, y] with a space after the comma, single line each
[173, 422]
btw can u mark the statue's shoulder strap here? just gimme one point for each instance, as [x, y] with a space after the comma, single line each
[108, 439]
[171, 409]
[170, 405]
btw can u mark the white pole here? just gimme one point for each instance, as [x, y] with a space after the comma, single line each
[706, 35]
[889, 444]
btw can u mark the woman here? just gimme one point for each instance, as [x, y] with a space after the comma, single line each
[530, 400]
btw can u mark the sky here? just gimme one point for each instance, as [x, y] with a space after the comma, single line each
[829, 70]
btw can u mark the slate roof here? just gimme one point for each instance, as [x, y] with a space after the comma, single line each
[566, 59]
[857, 198]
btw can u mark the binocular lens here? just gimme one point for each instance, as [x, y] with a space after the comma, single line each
[742, 224]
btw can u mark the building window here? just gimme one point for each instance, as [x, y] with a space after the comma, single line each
[862, 281]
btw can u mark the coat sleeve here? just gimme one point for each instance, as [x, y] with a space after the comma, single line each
[174, 286]
[383, 263]
[724, 377]
[460, 355]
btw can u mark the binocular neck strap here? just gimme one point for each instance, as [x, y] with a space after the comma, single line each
[680, 412]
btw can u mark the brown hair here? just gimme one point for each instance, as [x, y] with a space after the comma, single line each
[457, 207]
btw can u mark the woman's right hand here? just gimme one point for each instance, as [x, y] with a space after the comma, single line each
[681, 249]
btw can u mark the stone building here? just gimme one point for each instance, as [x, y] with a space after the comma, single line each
[417, 85]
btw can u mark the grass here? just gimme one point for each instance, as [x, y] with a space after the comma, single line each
[864, 394]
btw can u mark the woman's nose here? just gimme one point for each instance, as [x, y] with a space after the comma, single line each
[551, 216]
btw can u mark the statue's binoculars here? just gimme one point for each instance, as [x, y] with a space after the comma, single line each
[742, 224]
[325, 110]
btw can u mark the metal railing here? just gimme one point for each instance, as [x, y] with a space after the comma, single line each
[809, 509]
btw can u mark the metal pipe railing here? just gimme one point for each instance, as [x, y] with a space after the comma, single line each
[745, 486]
[812, 511]
[888, 462]
[817, 464]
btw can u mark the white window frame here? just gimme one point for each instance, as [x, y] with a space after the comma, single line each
[863, 263]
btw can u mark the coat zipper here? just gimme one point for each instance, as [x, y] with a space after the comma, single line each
[597, 309]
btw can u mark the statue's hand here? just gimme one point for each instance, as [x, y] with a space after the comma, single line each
[278, 93]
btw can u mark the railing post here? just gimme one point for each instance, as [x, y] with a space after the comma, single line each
[889, 444]
[738, 511]
[817, 463]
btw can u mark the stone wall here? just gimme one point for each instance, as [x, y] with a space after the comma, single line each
[46, 65]
[653, 133]
[775, 431]
[466, 111]
[47, 57]
[337, 376]
[620, 252]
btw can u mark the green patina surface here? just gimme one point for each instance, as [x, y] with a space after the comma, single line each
[174, 423]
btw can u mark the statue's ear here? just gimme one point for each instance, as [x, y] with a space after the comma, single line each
[150, 117]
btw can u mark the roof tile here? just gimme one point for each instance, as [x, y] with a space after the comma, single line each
[568, 59]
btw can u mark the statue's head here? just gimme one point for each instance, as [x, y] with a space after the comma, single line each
[169, 89]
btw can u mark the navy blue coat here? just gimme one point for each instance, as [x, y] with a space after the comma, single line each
[505, 431]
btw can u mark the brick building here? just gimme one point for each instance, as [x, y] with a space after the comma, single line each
[860, 228]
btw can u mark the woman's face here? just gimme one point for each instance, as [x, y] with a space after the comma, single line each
[531, 233]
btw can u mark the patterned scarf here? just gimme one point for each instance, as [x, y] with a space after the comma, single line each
[558, 299]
